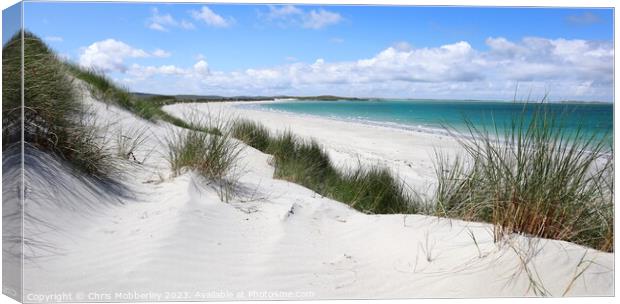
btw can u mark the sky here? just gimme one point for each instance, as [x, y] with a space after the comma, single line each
[358, 51]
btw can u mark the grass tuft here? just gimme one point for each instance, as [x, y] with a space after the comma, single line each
[370, 190]
[532, 178]
[213, 156]
[129, 141]
[376, 190]
[253, 134]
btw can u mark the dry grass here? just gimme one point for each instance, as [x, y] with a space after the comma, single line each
[129, 142]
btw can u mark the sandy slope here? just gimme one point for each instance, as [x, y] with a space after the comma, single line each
[173, 239]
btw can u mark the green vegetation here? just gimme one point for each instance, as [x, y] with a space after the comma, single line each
[54, 118]
[253, 134]
[302, 162]
[534, 179]
[375, 189]
[530, 178]
[370, 190]
[147, 108]
[104, 89]
[11, 92]
[213, 156]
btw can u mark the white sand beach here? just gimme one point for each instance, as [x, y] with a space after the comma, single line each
[158, 237]
[408, 153]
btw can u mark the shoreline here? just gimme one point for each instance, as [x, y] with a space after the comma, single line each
[409, 154]
[453, 132]
[255, 105]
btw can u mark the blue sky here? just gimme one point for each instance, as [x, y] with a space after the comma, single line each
[416, 52]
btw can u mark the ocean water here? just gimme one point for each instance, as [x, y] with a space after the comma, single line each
[435, 115]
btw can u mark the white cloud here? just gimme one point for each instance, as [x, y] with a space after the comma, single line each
[161, 53]
[201, 67]
[584, 19]
[110, 55]
[320, 19]
[547, 59]
[209, 17]
[162, 22]
[186, 25]
[138, 73]
[53, 38]
[568, 69]
[282, 11]
[157, 27]
[403, 46]
[289, 15]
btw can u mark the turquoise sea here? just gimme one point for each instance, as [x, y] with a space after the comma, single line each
[434, 115]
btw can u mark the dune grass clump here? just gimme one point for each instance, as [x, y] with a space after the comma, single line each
[532, 177]
[305, 162]
[377, 190]
[101, 86]
[253, 134]
[11, 93]
[282, 146]
[368, 189]
[213, 156]
[54, 118]
[129, 141]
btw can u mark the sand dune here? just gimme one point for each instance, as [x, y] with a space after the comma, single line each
[165, 238]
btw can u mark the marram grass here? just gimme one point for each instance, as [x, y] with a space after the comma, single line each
[213, 156]
[149, 109]
[532, 178]
[371, 190]
[55, 119]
